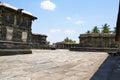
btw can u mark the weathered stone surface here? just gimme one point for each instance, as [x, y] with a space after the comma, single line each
[97, 40]
[51, 65]
[39, 41]
[5, 52]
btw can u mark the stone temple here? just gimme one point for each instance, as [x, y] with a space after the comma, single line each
[15, 30]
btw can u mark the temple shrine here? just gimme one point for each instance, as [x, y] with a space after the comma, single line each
[15, 30]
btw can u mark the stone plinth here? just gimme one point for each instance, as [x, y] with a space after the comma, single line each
[11, 48]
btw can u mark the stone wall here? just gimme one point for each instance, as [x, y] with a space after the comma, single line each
[97, 40]
[39, 41]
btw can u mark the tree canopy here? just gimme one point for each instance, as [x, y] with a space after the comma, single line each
[95, 30]
[105, 29]
[69, 40]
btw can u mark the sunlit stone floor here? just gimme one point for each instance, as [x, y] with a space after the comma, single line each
[51, 65]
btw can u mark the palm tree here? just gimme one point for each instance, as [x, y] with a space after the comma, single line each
[105, 28]
[95, 30]
[117, 37]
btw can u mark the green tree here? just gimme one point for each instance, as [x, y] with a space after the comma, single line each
[66, 39]
[69, 40]
[95, 30]
[74, 41]
[105, 28]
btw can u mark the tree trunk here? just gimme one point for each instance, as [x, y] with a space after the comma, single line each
[117, 37]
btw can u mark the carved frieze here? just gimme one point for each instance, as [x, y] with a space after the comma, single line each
[17, 34]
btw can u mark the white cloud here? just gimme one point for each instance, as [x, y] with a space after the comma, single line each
[79, 22]
[69, 18]
[48, 5]
[74, 21]
[69, 31]
[55, 30]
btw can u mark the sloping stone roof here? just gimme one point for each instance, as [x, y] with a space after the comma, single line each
[36, 34]
[16, 9]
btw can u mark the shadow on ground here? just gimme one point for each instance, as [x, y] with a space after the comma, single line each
[109, 70]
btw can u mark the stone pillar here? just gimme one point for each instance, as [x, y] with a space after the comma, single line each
[117, 37]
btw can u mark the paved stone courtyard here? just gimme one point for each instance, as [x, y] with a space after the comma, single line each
[51, 65]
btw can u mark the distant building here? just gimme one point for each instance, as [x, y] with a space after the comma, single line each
[39, 41]
[65, 45]
[97, 40]
[15, 28]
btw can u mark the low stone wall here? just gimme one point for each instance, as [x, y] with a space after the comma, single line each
[94, 49]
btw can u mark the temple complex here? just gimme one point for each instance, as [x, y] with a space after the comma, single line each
[15, 29]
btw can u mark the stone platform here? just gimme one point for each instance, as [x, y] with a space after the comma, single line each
[12, 48]
[94, 49]
[5, 52]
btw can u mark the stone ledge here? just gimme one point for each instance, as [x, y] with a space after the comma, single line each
[5, 52]
[94, 49]
[11, 42]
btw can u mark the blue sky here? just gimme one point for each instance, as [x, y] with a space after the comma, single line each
[68, 18]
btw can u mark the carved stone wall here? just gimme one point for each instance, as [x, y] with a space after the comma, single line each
[9, 34]
[97, 40]
[0, 32]
[24, 36]
[39, 41]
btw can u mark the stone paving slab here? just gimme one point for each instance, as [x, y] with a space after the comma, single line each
[51, 65]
